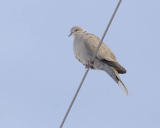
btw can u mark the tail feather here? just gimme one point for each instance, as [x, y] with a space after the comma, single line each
[123, 87]
[120, 83]
[112, 72]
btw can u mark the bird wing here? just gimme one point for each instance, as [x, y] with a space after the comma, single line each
[91, 42]
[104, 54]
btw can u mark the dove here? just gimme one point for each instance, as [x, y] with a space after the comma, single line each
[85, 45]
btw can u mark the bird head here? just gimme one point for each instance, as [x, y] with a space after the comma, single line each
[76, 30]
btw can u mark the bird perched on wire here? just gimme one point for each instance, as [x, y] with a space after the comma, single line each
[85, 45]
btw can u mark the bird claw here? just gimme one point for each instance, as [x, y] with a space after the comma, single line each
[90, 64]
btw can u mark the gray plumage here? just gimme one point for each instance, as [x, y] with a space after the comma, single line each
[85, 45]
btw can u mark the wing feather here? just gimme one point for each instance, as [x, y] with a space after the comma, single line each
[104, 52]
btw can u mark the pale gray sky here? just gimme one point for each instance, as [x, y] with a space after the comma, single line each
[39, 74]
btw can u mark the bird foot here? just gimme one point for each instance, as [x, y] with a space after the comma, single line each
[90, 64]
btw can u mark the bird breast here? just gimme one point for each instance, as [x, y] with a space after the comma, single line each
[80, 50]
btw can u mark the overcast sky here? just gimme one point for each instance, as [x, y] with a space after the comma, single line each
[39, 74]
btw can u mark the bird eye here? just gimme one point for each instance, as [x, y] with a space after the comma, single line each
[76, 30]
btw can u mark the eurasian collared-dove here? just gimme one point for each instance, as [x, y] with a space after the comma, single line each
[85, 45]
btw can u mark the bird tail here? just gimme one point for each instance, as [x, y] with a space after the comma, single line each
[123, 87]
[120, 83]
[112, 72]
[115, 76]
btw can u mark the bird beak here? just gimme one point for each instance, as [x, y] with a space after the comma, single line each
[70, 34]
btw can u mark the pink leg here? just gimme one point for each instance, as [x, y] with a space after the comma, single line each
[89, 65]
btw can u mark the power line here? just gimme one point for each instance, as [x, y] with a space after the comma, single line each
[87, 70]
